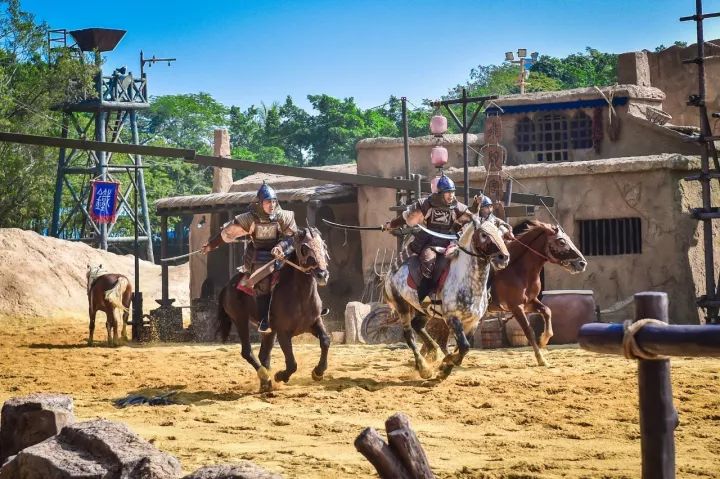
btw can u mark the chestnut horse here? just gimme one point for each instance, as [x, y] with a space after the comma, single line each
[515, 289]
[295, 308]
[111, 293]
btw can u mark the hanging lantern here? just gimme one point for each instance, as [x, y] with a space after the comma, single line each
[438, 125]
[439, 156]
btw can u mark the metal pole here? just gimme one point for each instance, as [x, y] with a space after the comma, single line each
[102, 166]
[140, 183]
[137, 297]
[57, 200]
[710, 291]
[466, 176]
[522, 75]
[164, 265]
[658, 418]
[406, 140]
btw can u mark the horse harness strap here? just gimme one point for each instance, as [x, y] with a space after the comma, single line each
[303, 269]
[533, 250]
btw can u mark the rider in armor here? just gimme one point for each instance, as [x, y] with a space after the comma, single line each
[271, 230]
[441, 212]
[486, 214]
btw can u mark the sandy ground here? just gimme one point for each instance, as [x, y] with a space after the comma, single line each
[496, 417]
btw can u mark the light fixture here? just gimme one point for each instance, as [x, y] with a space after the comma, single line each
[509, 56]
[201, 223]
[522, 52]
[534, 56]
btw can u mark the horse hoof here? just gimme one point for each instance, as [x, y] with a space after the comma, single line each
[263, 374]
[265, 386]
[280, 377]
[316, 376]
[426, 373]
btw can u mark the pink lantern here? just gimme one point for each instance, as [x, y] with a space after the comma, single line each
[438, 156]
[438, 125]
[433, 184]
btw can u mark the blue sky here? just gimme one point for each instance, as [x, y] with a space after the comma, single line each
[247, 52]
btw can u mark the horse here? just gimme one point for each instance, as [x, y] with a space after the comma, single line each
[110, 293]
[515, 289]
[295, 308]
[463, 296]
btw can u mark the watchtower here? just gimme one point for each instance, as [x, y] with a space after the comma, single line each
[102, 115]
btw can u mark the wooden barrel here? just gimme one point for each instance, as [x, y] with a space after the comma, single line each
[570, 310]
[515, 334]
[491, 333]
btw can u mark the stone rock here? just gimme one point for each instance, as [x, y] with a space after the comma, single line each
[244, 470]
[355, 313]
[93, 449]
[26, 421]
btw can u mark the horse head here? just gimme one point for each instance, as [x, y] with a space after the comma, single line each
[312, 254]
[563, 251]
[486, 241]
[92, 273]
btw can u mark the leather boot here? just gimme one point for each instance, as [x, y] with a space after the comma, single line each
[424, 289]
[263, 310]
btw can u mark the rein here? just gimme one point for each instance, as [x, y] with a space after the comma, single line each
[303, 269]
[536, 252]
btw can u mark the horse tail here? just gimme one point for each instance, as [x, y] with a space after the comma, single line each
[224, 322]
[114, 295]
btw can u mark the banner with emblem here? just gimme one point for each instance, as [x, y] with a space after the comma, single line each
[104, 201]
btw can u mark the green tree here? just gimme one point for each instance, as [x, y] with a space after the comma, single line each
[592, 68]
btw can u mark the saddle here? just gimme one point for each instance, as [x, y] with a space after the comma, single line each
[440, 272]
[250, 290]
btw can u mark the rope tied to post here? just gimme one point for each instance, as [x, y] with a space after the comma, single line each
[631, 349]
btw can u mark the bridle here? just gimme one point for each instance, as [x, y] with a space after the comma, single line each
[482, 254]
[303, 269]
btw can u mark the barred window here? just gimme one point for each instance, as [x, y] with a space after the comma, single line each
[608, 237]
[525, 135]
[552, 137]
[581, 131]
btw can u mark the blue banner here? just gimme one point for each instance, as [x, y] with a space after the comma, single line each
[104, 201]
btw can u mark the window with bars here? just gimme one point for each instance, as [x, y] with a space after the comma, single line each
[552, 137]
[608, 237]
[581, 131]
[525, 135]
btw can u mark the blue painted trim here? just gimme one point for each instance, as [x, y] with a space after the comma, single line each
[566, 105]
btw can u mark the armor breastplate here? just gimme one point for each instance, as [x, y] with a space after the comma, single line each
[441, 220]
[265, 235]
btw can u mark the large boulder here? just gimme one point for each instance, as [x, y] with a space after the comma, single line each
[93, 449]
[244, 470]
[355, 313]
[26, 421]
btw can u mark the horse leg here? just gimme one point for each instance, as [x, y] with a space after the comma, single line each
[109, 318]
[420, 363]
[321, 333]
[522, 320]
[462, 348]
[242, 323]
[266, 345]
[290, 365]
[430, 347]
[93, 313]
[546, 314]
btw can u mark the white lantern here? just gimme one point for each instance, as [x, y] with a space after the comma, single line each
[438, 125]
[439, 156]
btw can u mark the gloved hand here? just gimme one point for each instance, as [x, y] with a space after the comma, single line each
[277, 252]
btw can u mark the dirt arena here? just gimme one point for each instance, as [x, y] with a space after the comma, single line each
[497, 417]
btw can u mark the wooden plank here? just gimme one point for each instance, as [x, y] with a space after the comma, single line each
[658, 418]
[672, 340]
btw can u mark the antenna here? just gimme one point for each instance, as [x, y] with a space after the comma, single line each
[152, 60]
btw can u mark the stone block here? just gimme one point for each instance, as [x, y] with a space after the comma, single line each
[355, 313]
[28, 420]
[244, 470]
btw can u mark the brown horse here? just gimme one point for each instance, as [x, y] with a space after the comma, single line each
[110, 293]
[515, 289]
[295, 308]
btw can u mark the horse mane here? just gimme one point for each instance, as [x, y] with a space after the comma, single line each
[526, 226]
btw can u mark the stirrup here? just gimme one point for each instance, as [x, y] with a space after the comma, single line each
[266, 329]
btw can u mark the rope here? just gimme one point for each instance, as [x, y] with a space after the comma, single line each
[631, 348]
[528, 189]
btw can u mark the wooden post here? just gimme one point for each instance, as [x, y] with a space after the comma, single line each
[165, 301]
[658, 418]
[371, 445]
[404, 442]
